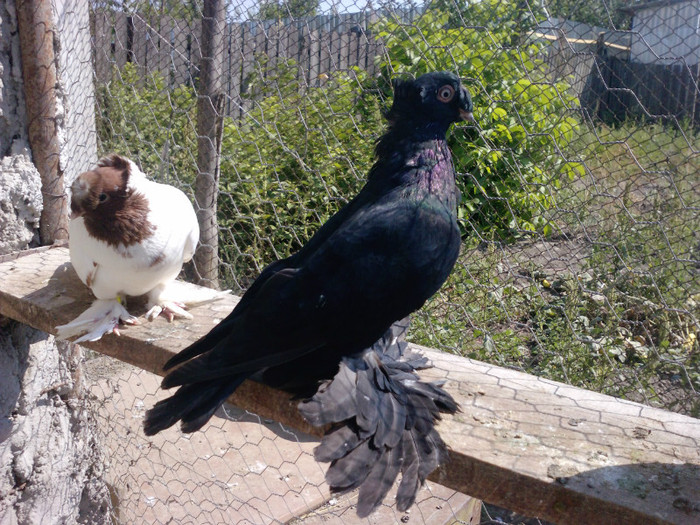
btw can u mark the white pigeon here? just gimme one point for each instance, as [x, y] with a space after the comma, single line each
[129, 236]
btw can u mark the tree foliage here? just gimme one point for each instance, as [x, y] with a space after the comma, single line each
[279, 9]
[153, 124]
[292, 162]
[511, 169]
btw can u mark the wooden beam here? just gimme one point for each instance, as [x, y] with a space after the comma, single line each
[37, 36]
[535, 446]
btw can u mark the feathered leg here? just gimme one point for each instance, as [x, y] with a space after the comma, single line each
[384, 423]
[104, 316]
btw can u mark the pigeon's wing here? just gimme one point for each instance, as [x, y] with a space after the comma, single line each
[275, 328]
[176, 227]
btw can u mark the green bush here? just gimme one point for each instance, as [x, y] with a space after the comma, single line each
[291, 162]
[287, 165]
[139, 116]
[512, 168]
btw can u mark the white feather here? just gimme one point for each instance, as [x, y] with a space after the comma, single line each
[149, 267]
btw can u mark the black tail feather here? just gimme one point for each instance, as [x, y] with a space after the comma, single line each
[352, 469]
[375, 487]
[337, 443]
[384, 423]
[410, 480]
[194, 404]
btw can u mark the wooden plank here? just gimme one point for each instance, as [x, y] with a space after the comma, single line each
[363, 55]
[179, 54]
[249, 469]
[166, 37]
[535, 446]
[102, 48]
[314, 42]
[343, 51]
[119, 38]
[140, 46]
[247, 64]
[295, 46]
[324, 54]
[194, 49]
[261, 44]
[334, 51]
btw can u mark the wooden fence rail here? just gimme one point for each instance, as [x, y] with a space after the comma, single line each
[535, 446]
[172, 47]
[610, 85]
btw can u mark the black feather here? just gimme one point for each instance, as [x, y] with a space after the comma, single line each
[389, 417]
[410, 481]
[193, 404]
[332, 401]
[337, 443]
[351, 470]
[374, 489]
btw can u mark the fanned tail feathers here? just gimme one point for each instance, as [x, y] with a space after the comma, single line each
[383, 421]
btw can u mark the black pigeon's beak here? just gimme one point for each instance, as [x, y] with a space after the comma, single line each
[467, 115]
[465, 111]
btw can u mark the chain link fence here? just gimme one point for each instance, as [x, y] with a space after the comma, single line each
[579, 207]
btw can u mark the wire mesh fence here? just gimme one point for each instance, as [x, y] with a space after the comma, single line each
[579, 204]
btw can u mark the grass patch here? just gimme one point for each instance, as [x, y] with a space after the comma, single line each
[612, 305]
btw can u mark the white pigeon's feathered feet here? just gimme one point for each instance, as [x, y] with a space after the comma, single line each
[171, 300]
[103, 317]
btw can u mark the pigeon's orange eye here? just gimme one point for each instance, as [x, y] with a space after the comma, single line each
[103, 197]
[446, 93]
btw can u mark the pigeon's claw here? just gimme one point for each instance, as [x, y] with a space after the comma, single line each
[170, 310]
[103, 317]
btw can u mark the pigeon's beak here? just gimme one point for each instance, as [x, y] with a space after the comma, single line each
[465, 101]
[467, 115]
[79, 191]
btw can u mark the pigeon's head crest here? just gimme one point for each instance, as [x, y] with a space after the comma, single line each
[103, 189]
[431, 98]
[109, 203]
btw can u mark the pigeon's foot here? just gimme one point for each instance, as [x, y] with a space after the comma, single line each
[103, 317]
[170, 310]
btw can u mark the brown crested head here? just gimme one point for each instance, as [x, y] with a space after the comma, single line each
[112, 211]
[102, 190]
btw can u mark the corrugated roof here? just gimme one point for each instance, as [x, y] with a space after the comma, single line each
[651, 5]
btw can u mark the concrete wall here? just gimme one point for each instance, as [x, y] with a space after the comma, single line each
[50, 462]
[79, 141]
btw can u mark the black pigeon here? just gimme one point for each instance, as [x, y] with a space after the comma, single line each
[373, 263]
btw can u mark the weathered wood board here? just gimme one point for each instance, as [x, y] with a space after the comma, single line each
[531, 445]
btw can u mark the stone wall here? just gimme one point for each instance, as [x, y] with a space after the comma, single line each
[50, 462]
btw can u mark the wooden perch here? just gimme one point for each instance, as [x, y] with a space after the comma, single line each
[531, 445]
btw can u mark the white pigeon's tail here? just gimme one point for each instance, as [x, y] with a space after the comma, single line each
[172, 299]
[191, 295]
[103, 317]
